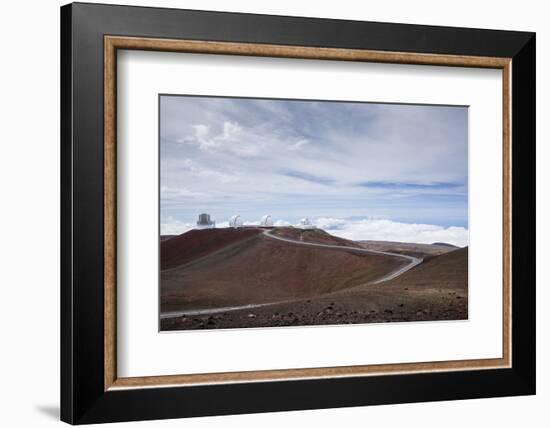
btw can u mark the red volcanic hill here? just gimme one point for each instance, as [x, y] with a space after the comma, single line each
[318, 236]
[232, 267]
[194, 244]
[449, 270]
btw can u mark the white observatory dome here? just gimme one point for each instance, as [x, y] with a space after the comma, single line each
[236, 221]
[305, 224]
[266, 221]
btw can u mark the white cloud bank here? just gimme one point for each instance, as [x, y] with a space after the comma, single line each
[172, 226]
[388, 230]
[361, 229]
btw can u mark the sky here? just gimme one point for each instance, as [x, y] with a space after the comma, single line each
[358, 170]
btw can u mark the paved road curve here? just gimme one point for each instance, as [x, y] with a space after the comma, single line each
[413, 261]
[210, 311]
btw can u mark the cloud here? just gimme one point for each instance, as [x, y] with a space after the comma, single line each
[171, 226]
[387, 230]
[169, 193]
[372, 229]
[200, 171]
[201, 131]
[410, 186]
[320, 159]
[231, 131]
[233, 138]
[200, 137]
[298, 144]
[307, 177]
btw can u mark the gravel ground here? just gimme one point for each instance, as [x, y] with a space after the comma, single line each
[364, 306]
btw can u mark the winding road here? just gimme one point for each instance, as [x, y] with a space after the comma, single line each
[413, 261]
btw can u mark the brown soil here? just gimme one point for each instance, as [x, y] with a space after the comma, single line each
[424, 251]
[194, 244]
[434, 290]
[317, 236]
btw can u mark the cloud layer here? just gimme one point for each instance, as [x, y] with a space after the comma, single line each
[387, 230]
[360, 229]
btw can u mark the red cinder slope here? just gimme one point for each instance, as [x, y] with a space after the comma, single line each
[195, 244]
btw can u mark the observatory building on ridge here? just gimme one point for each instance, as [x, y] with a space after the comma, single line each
[305, 224]
[266, 221]
[236, 221]
[204, 222]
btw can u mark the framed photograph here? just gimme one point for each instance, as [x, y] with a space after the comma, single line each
[266, 213]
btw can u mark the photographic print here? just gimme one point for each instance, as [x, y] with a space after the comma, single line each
[282, 212]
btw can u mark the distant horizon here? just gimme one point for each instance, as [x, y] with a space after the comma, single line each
[357, 170]
[360, 230]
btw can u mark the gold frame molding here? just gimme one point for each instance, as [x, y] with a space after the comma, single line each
[113, 43]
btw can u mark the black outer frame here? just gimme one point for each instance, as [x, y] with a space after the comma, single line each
[83, 399]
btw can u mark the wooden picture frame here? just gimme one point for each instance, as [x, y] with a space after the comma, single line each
[91, 390]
